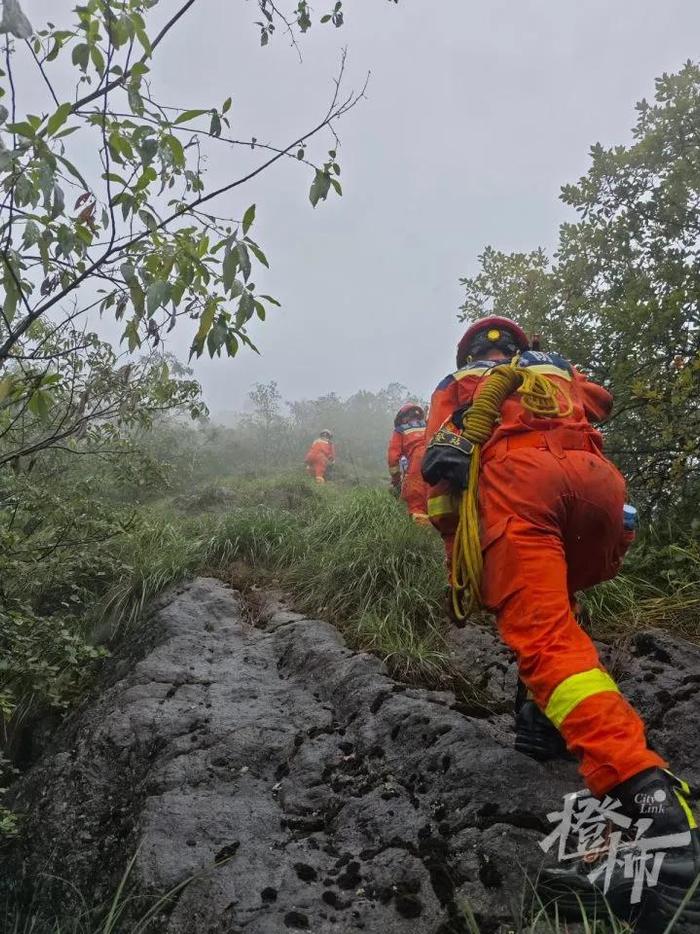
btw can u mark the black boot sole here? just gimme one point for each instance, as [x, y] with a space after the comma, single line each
[660, 906]
[572, 903]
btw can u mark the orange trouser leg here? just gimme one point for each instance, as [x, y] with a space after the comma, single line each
[414, 493]
[317, 468]
[550, 522]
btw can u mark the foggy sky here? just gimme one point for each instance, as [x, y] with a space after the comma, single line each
[477, 112]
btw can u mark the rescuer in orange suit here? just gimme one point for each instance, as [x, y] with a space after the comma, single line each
[406, 446]
[320, 456]
[550, 508]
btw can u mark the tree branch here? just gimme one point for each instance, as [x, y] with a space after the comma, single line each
[335, 111]
[122, 79]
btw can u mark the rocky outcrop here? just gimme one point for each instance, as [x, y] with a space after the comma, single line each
[657, 672]
[293, 785]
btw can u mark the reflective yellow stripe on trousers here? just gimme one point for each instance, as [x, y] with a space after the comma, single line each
[576, 688]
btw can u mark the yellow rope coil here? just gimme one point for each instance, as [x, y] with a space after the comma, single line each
[539, 396]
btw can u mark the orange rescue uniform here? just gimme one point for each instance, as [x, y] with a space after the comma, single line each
[318, 457]
[550, 506]
[408, 440]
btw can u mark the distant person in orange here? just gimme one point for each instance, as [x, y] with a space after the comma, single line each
[320, 456]
[404, 459]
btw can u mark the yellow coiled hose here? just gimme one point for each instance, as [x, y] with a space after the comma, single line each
[539, 396]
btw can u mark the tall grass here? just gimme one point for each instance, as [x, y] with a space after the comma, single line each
[658, 587]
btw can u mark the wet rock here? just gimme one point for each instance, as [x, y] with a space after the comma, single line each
[273, 780]
[255, 774]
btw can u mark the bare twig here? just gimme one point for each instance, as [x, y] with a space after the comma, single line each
[43, 72]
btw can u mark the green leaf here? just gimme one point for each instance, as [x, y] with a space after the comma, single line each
[73, 171]
[271, 300]
[227, 106]
[319, 188]
[248, 219]
[147, 176]
[67, 132]
[175, 147]
[142, 36]
[258, 254]
[81, 55]
[205, 323]
[215, 127]
[148, 219]
[57, 119]
[157, 295]
[246, 306]
[31, 234]
[229, 269]
[21, 129]
[40, 404]
[7, 384]
[131, 335]
[59, 202]
[188, 115]
[97, 59]
[128, 273]
[135, 101]
[244, 260]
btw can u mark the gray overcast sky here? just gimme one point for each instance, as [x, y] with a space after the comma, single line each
[477, 112]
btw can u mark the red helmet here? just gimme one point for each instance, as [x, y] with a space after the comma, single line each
[491, 332]
[408, 409]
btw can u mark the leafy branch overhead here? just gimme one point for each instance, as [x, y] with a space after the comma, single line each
[140, 239]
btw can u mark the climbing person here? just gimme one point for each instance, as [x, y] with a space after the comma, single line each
[404, 459]
[320, 456]
[531, 511]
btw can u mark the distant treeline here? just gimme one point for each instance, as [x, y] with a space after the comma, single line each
[276, 434]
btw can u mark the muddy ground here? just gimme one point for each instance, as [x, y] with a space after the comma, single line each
[293, 785]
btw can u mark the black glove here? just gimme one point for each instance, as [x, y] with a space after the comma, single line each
[448, 457]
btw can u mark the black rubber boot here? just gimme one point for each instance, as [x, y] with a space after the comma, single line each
[660, 799]
[535, 735]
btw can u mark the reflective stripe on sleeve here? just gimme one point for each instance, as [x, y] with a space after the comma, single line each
[441, 506]
[576, 688]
